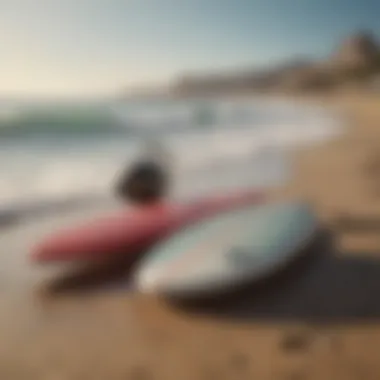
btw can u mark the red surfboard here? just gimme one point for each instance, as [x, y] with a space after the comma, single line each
[134, 230]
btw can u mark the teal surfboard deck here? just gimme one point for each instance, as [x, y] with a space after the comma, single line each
[227, 250]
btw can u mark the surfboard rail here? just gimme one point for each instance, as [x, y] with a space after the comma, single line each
[134, 230]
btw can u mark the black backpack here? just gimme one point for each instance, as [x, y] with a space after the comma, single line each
[144, 182]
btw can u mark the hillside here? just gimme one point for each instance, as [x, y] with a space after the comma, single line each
[355, 61]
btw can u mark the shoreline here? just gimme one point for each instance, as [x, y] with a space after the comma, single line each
[328, 119]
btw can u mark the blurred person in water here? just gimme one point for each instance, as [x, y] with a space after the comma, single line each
[147, 180]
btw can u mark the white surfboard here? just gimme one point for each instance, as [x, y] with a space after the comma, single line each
[231, 249]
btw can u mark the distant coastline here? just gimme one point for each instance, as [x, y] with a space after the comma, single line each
[353, 64]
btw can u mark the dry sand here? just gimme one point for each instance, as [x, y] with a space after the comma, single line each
[319, 320]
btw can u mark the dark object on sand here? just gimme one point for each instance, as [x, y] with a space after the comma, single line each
[350, 223]
[146, 182]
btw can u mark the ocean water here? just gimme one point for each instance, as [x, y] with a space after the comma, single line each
[58, 150]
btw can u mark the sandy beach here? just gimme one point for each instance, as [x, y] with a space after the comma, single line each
[319, 320]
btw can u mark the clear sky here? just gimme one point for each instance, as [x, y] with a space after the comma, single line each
[94, 46]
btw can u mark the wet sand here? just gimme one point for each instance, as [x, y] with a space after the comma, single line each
[317, 320]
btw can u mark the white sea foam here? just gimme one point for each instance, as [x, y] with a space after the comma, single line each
[213, 145]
